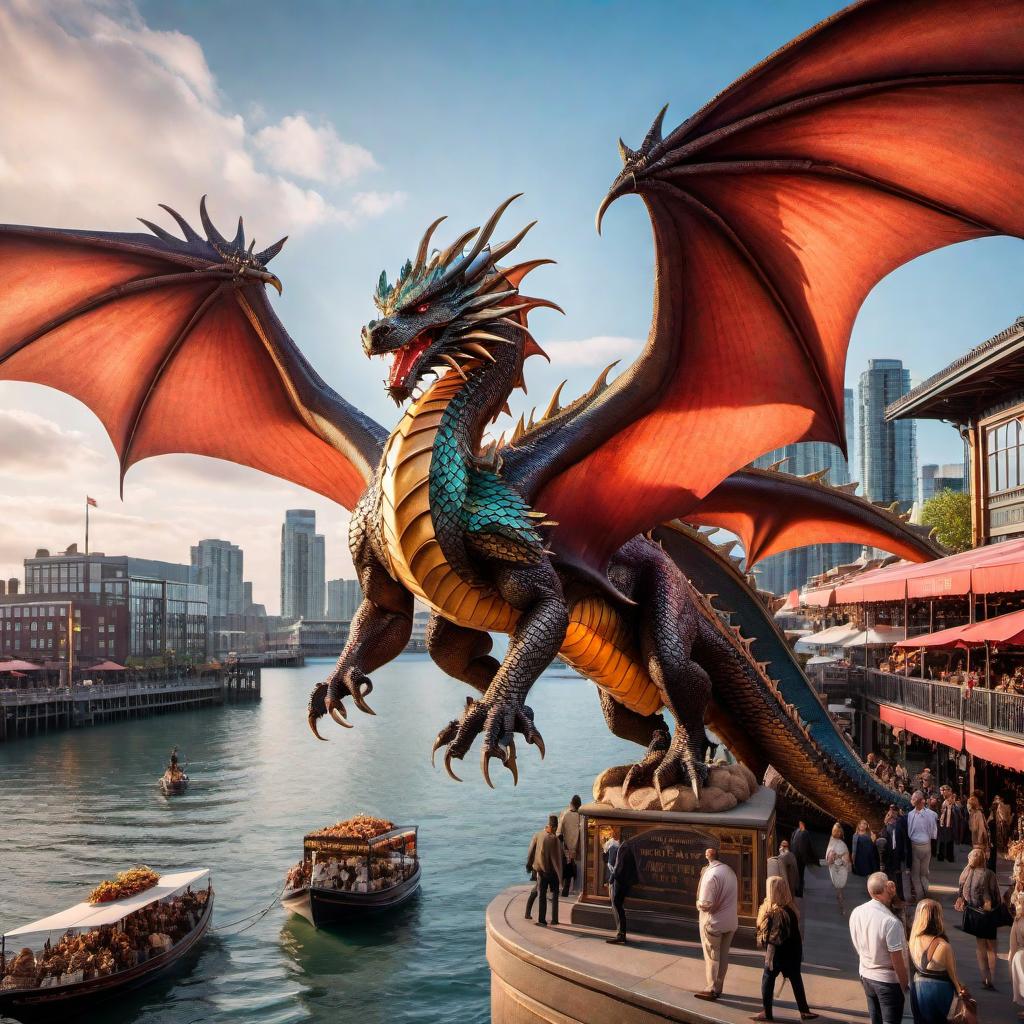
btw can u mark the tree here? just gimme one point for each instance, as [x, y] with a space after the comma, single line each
[949, 512]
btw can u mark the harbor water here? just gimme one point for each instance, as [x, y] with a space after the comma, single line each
[77, 806]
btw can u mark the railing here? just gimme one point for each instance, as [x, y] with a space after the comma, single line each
[99, 691]
[982, 709]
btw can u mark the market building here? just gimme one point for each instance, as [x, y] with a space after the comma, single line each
[37, 630]
[982, 395]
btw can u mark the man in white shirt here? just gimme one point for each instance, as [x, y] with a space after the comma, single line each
[878, 938]
[716, 902]
[922, 827]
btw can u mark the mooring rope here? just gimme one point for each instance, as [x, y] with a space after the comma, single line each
[257, 914]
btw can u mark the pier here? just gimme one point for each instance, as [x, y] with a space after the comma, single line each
[30, 712]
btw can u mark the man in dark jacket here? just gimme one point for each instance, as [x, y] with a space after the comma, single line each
[900, 853]
[622, 876]
[545, 857]
[949, 826]
[803, 850]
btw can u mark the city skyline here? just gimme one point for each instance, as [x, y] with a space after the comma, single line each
[303, 572]
[354, 204]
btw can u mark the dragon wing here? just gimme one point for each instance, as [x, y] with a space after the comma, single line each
[174, 345]
[890, 130]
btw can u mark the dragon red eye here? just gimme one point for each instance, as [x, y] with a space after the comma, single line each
[423, 307]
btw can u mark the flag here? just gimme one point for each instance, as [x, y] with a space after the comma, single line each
[91, 501]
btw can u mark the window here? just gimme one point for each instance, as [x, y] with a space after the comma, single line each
[1004, 451]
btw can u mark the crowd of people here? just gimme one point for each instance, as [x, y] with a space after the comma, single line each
[83, 956]
[900, 934]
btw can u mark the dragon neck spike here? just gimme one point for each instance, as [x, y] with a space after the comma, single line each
[190, 233]
[506, 247]
[212, 233]
[424, 247]
[238, 242]
[625, 153]
[488, 229]
[268, 254]
[457, 246]
[654, 136]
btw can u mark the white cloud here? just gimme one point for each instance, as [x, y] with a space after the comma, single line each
[33, 446]
[597, 351]
[104, 117]
[297, 147]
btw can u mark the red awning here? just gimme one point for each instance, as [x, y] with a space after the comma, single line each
[991, 748]
[927, 728]
[1000, 629]
[1009, 755]
[107, 666]
[819, 598]
[19, 666]
[998, 568]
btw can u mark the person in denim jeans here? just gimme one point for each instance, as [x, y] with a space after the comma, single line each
[880, 941]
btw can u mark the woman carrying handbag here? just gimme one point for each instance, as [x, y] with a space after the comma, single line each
[979, 900]
[935, 984]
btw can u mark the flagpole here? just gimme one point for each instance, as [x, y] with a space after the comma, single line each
[87, 526]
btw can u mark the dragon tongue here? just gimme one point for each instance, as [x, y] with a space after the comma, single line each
[405, 359]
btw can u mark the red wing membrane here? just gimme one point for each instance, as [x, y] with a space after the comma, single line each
[771, 512]
[889, 131]
[175, 348]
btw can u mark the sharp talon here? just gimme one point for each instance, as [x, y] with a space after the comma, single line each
[339, 718]
[311, 719]
[448, 766]
[539, 741]
[510, 764]
[363, 706]
[333, 706]
[485, 762]
[696, 789]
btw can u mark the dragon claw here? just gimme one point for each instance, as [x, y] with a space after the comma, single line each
[498, 721]
[311, 721]
[316, 709]
[448, 765]
[338, 714]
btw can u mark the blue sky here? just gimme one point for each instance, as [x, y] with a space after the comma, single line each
[416, 110]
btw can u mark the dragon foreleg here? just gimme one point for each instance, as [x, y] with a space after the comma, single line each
[501, 711]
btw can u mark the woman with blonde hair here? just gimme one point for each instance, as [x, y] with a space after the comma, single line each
[778, 930]
[978, 899]
[935, 983]
[977, 824]
[837, 857]
[865, 853]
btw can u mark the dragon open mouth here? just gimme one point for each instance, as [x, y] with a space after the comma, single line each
[405, 361]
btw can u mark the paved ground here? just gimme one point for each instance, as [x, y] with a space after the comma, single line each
[669, 971]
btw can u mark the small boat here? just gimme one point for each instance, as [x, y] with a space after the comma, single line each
[33, 990]
[344, 878]
[174, 781]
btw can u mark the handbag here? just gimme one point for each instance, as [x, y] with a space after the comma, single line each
[964, 1011]
[980, 923]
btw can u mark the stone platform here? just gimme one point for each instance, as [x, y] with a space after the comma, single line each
[570, 975]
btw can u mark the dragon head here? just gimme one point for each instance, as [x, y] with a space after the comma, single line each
[451, 304]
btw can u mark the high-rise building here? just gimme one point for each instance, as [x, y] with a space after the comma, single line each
[887, 450]
[217, 565]
[790, 570]
[303, 573]
[934, 479]
[167, 613]
[343, 598]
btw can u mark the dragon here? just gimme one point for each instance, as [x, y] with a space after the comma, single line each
[889, 130]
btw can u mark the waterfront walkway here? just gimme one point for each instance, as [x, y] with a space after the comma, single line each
[36, 710]
[567, 974]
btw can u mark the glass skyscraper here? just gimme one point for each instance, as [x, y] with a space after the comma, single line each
[888, 450]
[217, 564]
[303, 571]
[790, 570]
[343, 598]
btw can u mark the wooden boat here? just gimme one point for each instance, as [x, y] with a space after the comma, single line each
[344, 880]
[73, 1000]
[173, 786]
[174, 781]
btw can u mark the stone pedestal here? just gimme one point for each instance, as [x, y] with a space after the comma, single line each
[669, 848]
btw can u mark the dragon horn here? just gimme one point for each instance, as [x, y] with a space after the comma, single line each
[653, 136]
[212, 233]
[239, 240]
[625, 153]
[488, 229]
[506, 247]
[457, 246]
[421, 252]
